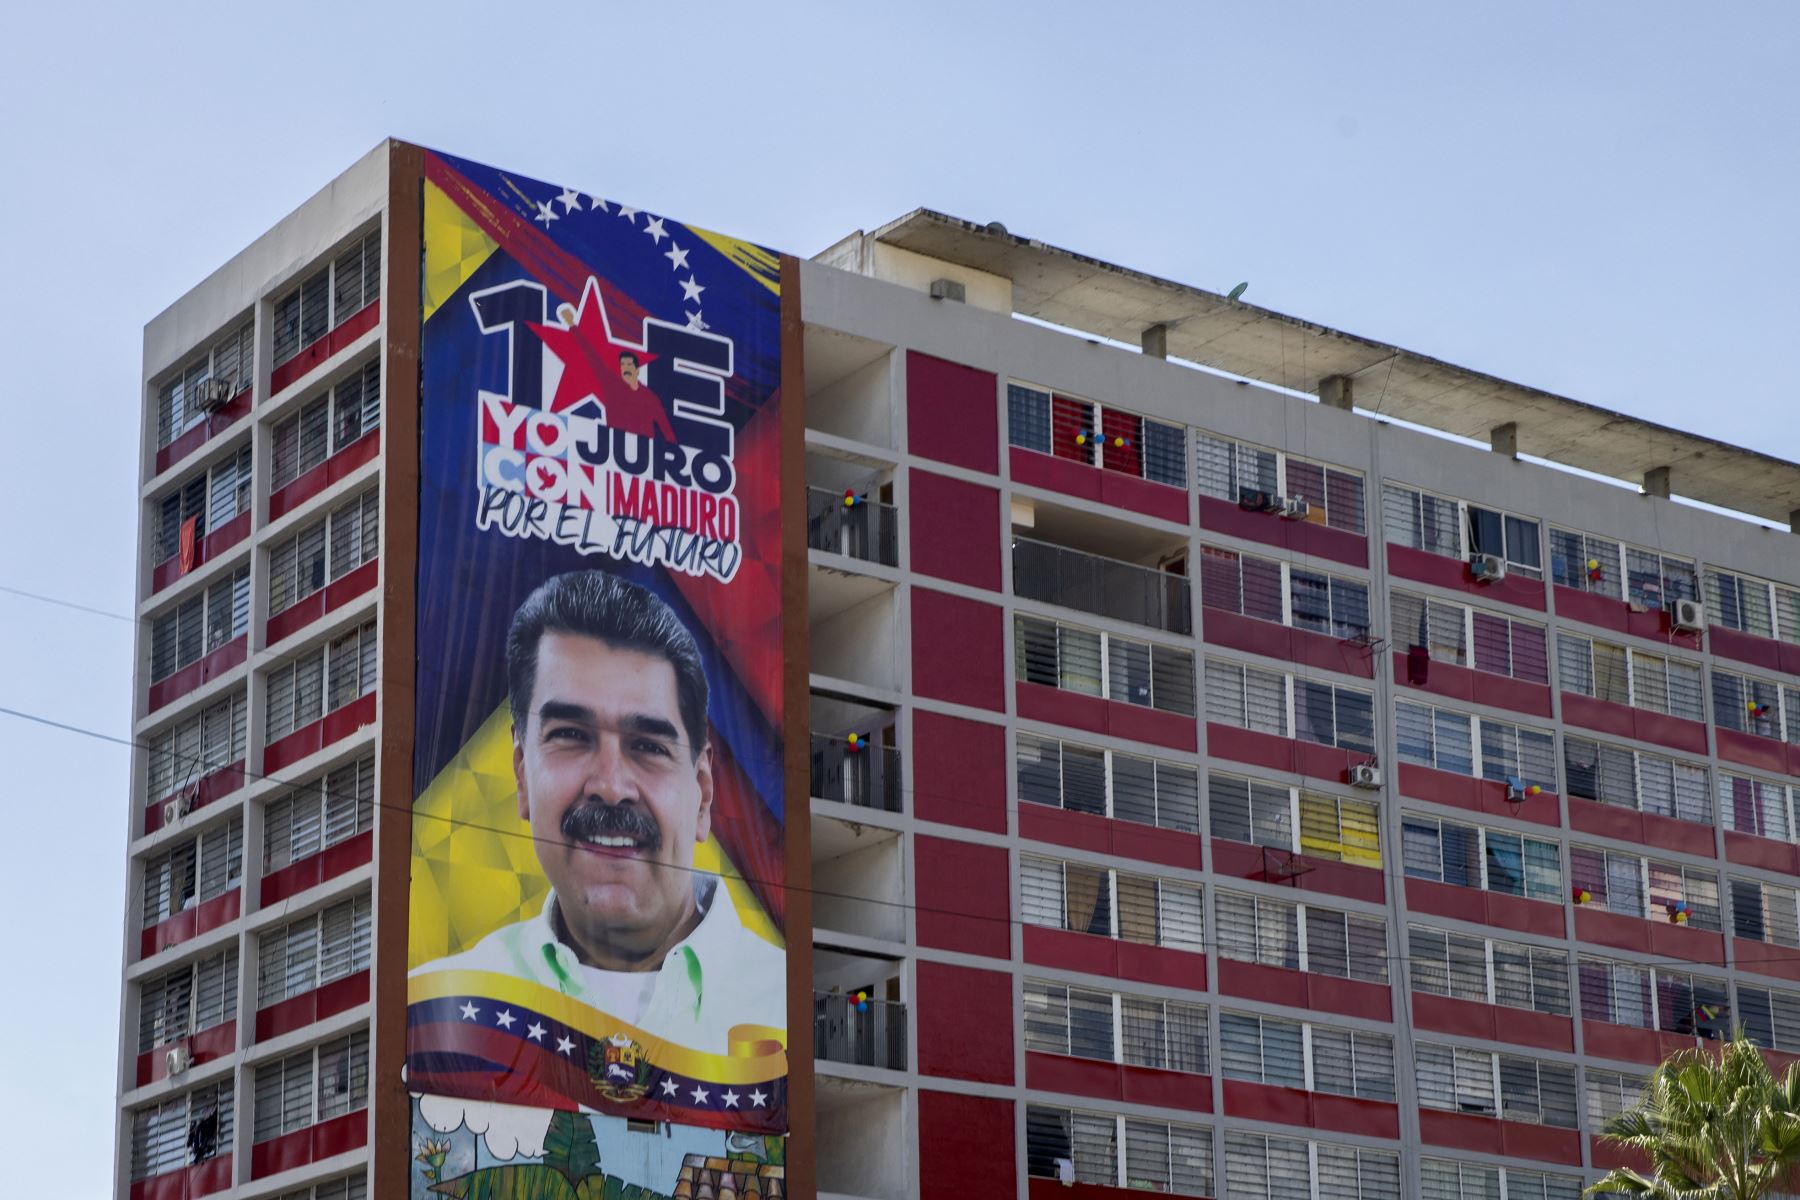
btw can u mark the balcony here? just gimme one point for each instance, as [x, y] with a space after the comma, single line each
[1106, 587]
[866, 529]
[872, 1034]
[864, 773]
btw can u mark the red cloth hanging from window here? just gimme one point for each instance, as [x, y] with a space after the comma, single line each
[190, 543]
[1418, 665]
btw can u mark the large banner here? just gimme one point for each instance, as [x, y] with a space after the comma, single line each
[596, 905]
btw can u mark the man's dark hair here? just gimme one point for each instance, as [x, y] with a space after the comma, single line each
[625, 354]
[615, 611]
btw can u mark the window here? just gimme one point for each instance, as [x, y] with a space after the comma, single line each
[182, 1130]
[1081, 899]
[1307, 1056]
[1481, 747]
[311, 1086]
[1128, 443]
[1609, 1093]
[305, 688]
[1474, 857]
[1108, 783]
[324, 551]
[1488, 971]
[351, 1187]
[1157, 1157]
[1764, 912]
[1138, 1030]
[1756, 806]
[200, 624]
[1691, 1005]
[1302, 937]
[191, 998]
[1746, 704]
[1636, 779]
[1071, 1021]
[1276, 591]
[1250, 698]
[196, 746]
[326, 424]
[1618, 993]
[1650, 580]
[209, 499]
[1622, 675]
[328, 297]
[179, 403]
[1264, 814]
[1458, 529]
[1103, 664]
[312, 816]
[1638, 887]
[1246, 697]
[1257, 1165]
[350, 667]
[1509, 1086]
[1227, 469]
[1330, 715]
[194, 872]
[1169, 1035]
[317, 949]
[1463, 636]
[1516, 752]
[1770, 1018]
[1741, 602]
[1445, 1179]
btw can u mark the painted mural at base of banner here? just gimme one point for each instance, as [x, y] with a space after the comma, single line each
[471, 1150]
[596, 908]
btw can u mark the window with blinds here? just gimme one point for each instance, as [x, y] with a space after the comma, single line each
[1280, 1168]
[1463, 966]
[191, 998]
[1622, 675]
[1458, 529]
[1156, 1156]
[1756, 806]
[1509, 1086]
[209, 499]
[178, 405]
[1447, 1179]
[1647, 579]
[324, 551]
[1330, 714]
[319, 814]
[1270, 590]
[1434, 737]
[1517, 752]
[1302, 937]
[1115, 904]
[328, 297]
[181, 1131]
[196, 746]
[1306, 1055]
[1609, 1093]
[1754, 606]
[1770, 1018]
[1092, 663]
[1095, 434]
[1691, 1005]
[1079, 1022]
[1247, 697]
[1169, 1035]
[1140, 1031]
[1107, 783]
[311, 1086]
[1267, 814]
[194, 871]
[1746, 704]
[1226, 469]
[350, 666]
[1637, 779]
[351, 1187]
[1469, 637]
[1765, 912]
[312, 951]
[1640, 887]
[1474, 856]
[296, 694]
[200, 624]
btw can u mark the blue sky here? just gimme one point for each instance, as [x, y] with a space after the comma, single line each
[1596, 199]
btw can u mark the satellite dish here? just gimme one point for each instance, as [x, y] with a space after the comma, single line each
[1237, 291]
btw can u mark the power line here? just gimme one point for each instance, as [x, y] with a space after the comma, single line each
[38, 596]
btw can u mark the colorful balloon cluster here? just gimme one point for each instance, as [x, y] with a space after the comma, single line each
[857, 742]
[1581, 895]
[851, 499]
[1594, 571]
[1678, 912]
[1083, 436]
[1756, 710]
[861, 1001]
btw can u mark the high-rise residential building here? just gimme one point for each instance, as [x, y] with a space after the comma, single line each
[1240, 758]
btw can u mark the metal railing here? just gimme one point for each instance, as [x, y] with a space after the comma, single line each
[866, 774]
[1106, 587]
[875, 1036]
[868, 529]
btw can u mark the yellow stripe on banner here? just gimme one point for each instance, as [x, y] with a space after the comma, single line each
[756, 1053]
[762, 265]
[455, 248]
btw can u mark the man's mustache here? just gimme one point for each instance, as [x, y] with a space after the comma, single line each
[595, 818]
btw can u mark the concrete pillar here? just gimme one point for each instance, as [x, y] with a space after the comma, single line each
[1504, 439]
[1794, 521]
[1335, 391]
[1155, 340]
[1656, 482]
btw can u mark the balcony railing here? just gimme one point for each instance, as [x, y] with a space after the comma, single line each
[1103, 586]
[866, 774]
[874, 1036]
[868, 529]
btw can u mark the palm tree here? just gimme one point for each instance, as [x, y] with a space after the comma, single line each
[1714, 1127]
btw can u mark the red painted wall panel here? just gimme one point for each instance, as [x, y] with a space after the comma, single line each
[1314, 1110]
[1086, 831]
[1572, 604]
[202, 1179]
[1488, 1135]
[1040, 702]
[1653, 936]
[1279, 753]
[1475, 795]
[958, 649]
[202, 918]
[965, 1147]
[321, 1141]
[315, 353]
[315, 869]
[1463, 683]
[364, 449]
[1629, 825]
[1766, 958]
[1486, 908]
[1301, 537]
[1493, 1022]
[954, 529]
[1095, 955]
[952, 413]
[203, 670]
[1301, 989]
[1242, 861]
[329, 598]
[334, 726]
[214, 786]
[1221, 627]
[959, 771]
[1758, 651]
[963, 895]
[1453, 573]
[965, 1023]
[1098, 484]
[1630, 1044]
[1626, 721]
[1763, 753]
[1770, 855]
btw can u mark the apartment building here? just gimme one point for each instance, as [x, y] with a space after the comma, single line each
[1226, 778]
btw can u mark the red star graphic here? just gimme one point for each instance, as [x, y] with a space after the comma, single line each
[590, 359]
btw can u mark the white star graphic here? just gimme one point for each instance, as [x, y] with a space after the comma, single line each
[694, 322]
[535, 1032]
[757, 1097]
[570, 199]
[699, 1095]
[690, 289]
[654, 227]
[676, 255]
[469, 1011]
[598, 205]
[730, 1099]
[668, 1087]
[628, 212]
[546, 214]
[505, 1019]
[565, 1045]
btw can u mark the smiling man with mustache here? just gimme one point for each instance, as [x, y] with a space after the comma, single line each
[614, 768]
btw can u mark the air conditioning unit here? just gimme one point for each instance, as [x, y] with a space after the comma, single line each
[1688, 616]
[1257, 500]
[1365, 775]
[1487, 568]
[211, 394]
[1294, 508]
[174, 810]
[177, 1060]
